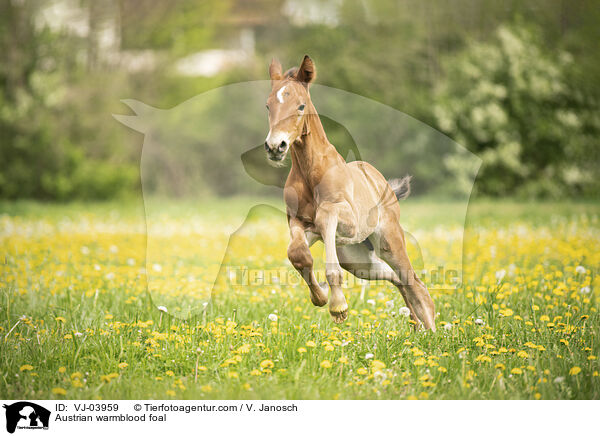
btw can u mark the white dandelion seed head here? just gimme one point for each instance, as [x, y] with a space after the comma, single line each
[448, 326]
[404, 311]
[114, 249]
[559, 379]
[585, 290]
[85, 251]
[580, 269]
[371, 302]
[389, 304]
[157, 267]
[97, 267]
[162, 309]
[369, 356]
[130, 261]
[273, 317]
[380, 375]
[500, 274]
[479, 321]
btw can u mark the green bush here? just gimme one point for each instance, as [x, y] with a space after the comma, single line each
[511, 102]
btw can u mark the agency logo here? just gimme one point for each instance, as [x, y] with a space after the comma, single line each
[26, 415]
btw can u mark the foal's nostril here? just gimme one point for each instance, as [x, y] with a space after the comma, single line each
[266, 146]
[283, 146]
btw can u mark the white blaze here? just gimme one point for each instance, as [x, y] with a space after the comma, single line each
[280, 94]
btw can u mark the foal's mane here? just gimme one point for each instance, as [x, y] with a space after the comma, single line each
[290, 73]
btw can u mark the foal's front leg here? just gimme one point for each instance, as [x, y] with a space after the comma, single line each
[301, 258]
[327, 222]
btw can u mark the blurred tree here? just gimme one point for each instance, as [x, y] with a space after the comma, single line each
[510, 101]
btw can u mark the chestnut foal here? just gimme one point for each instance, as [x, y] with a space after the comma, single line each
[349, 206]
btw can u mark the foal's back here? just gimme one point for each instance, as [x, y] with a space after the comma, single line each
[371, 189]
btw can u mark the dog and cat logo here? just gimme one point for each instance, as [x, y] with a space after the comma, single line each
[26, 415]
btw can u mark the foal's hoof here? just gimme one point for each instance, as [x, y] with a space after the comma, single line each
[339, 316]
[319, 300]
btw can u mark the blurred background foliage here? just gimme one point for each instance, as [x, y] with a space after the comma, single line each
[514, 82]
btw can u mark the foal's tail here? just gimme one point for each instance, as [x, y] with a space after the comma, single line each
[401, 187]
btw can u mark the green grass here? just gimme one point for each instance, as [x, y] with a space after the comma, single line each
[74, 305]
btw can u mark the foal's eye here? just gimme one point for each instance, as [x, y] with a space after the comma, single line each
[267, 106]
[301, 107]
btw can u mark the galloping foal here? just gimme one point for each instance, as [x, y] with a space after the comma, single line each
[349, 206]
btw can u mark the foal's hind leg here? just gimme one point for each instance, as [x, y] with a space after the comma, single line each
[301, 258]
[391, 247]
[361, 260]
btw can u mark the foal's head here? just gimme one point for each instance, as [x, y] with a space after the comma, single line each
[287, 106]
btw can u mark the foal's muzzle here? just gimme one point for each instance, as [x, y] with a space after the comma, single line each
[277, 152]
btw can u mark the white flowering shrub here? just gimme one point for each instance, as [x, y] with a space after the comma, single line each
[512, 103]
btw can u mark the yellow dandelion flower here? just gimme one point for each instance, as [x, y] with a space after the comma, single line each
[267, 364]
[26, 367]
[575, 370]
[170, 393]
[301, 350]
[326, 364]
[343, 359]
[123, 365]
[377, 365]
[244, 349]
[62, 369]
[311, 344]
[419, 362]
[516, 371]
[60, 319]
[169, 373]
[59, 391]
[361, 371]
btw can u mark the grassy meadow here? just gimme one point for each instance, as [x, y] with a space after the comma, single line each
[77, 320]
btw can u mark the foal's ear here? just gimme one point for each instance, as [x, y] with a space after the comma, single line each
[275, 70]
[307, 71]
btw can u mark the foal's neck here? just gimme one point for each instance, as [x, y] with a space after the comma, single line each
[313, 154]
